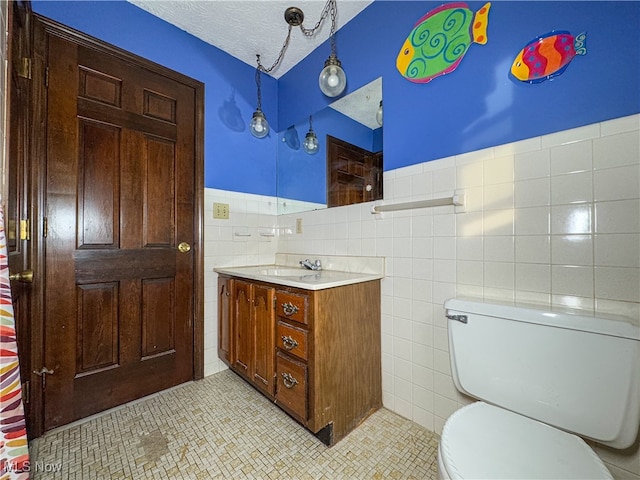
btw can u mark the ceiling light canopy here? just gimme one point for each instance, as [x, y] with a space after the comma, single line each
[332, 79]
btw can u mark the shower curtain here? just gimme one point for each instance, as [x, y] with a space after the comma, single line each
[14, 450]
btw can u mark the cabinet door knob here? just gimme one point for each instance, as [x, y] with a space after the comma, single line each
[289, 380]
[289, 308]
[288, 342]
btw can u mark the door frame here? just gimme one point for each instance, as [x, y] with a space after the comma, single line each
[42, 27]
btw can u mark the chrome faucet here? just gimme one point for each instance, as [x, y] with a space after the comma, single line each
[311, 266]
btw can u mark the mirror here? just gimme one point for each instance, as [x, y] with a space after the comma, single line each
[302, 177]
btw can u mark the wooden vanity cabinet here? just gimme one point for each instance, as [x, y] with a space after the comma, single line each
[322, 352]
[250, 322]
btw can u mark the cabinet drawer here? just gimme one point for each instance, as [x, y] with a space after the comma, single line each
[292, 339]
[291, 390]
[291, 306]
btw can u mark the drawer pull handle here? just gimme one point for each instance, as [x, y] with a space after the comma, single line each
[289, 343]
[289, 308]
[288, 380]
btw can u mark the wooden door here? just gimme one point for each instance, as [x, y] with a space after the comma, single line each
[263, 319]
[17, 206]
[121, 197]
[354, 175]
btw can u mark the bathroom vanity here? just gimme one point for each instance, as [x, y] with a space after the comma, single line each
[309, 341]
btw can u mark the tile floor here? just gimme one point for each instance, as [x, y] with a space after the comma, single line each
[222, 428]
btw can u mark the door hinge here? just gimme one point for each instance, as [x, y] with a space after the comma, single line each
[26, 391]
[25, 230]
[46, 77]
[24, 69]
[45, 227]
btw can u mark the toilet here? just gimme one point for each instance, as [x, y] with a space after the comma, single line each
[542, 378]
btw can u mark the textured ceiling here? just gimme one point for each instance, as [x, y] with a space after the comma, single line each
[244, 28]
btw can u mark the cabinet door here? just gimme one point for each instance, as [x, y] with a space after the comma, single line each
[264, 340]
[243, 332]
[225, 284]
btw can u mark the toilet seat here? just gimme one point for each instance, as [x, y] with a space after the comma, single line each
[484, 441]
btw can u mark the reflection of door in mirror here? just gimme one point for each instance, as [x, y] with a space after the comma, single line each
[354, 175]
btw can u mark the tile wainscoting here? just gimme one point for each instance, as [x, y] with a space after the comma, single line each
[553, 220]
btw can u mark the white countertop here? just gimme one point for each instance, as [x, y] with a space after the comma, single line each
[299, 277]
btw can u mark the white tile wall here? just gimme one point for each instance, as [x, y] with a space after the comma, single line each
[553, 220]
[250, 214]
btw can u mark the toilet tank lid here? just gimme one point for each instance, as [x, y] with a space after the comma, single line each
[573, 319]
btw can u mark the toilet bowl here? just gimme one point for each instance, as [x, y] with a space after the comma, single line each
[484, 441]
[542, 378]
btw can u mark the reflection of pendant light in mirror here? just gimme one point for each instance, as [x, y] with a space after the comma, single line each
[259, 126]
[311, 145]
[379, 114]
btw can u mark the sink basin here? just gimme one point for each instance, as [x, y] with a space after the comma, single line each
[283, 272]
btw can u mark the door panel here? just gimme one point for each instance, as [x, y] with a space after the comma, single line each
[243, 332]
[225, 332]
[264, 344]
[97, 328]
[159, 316]
[120, 193]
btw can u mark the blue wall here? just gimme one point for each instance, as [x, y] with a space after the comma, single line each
[304, 177]
[474, 107]
[478, 105]
[233, 160]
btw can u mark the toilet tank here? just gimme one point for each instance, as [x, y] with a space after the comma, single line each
[577, 372]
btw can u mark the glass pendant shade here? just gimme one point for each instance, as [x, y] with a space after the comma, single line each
[379, 114]
[259, 126]
[311, 145]
[332, 78]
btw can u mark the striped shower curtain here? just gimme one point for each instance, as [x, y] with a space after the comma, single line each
[14, 452]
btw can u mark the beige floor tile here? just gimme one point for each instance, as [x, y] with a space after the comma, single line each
[221, 428]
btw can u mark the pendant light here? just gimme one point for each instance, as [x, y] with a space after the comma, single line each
[332, 80]
[259, 126]
[310, 144]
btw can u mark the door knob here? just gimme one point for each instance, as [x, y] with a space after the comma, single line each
[184, 247]
[26, 276]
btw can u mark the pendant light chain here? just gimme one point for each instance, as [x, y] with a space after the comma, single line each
[329, 8]
[262, 68]
[332, 79]
[259, 84]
